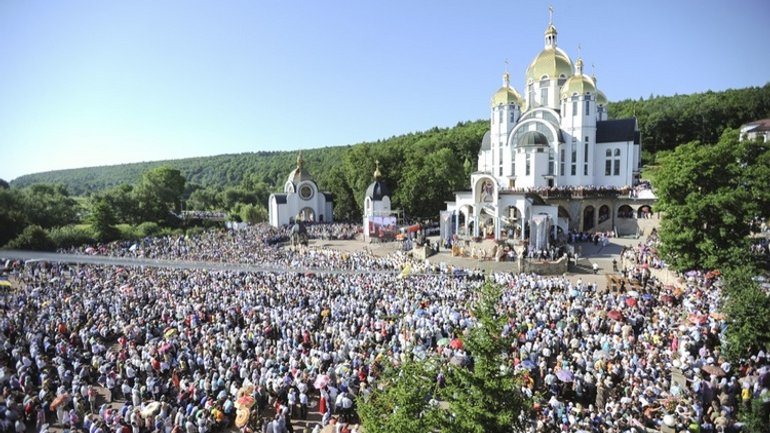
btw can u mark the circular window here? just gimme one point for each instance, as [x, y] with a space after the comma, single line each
[305, 192]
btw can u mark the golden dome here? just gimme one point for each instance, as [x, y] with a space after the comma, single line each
[551, 30]
[505, 96]
[578, 83]
[601, 99]
[552, 62]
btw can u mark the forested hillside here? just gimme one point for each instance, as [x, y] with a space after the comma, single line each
[215, 171]
[668, 121]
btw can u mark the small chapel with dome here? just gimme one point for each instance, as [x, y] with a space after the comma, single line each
[301, 200]
[552, 160]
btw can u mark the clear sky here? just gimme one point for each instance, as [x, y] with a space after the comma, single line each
[85, 83]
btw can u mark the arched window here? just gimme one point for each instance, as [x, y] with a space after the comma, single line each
[625, 211]
[616, 168]
[604, 213]
[608, 162]
[588, 218]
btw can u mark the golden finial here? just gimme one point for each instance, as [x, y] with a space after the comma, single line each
[377, 174]
[300, 161]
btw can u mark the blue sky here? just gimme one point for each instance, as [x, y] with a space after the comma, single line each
[85, 83]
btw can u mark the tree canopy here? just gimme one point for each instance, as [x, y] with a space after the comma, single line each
[709, 195]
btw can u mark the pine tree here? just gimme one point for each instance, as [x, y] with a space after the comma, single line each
[484, 396]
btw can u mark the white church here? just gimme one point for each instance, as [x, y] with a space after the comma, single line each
[552, 160]
[301, 200]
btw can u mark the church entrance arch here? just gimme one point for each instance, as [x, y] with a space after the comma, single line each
[604, 213]
[625, 211]
[588, 218]
[307, 214]
[513, 220]
[644, 211]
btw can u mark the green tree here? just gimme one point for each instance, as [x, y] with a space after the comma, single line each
[485, 397]
[253, 213]
[13, 217]
[403, 403]
[159, 194]
[707, 206]
[49, 205]
[102, 219]
[747, 307]
[33, 237]
[71, 236]
[121, 199]
[208, 198]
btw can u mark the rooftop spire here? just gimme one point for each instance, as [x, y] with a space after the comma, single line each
[550, 32]
[377, 174]
[506, 76]
[579, 63]
[300, 161]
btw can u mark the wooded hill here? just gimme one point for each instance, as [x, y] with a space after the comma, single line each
[422, 168]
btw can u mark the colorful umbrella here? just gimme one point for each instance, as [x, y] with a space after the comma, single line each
[564, 375]
[443, 342]
[242, 417]
[245, 401]
[615, 315]
[456, 344]
[321, 381]
[713, 370]
[60, 400]
[630, 302]
[169, 332]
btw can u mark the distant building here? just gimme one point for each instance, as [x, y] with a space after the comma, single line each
[379, 220]
[552, 160]
[757, 130]
[301, 200]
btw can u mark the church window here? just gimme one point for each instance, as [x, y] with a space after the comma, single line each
[500, 114]
[608, 162]
[588, 106]
[561, 161]
[574, 108]
[500, 162]
[544, 96]
[531, 92]
[550, 162]
[513, 113]
[573, 169]
[616, 167]
[527, 163]
[585, 157]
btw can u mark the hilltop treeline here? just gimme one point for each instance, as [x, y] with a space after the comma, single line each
[668, 121]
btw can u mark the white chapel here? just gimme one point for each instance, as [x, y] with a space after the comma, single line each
[301, 200]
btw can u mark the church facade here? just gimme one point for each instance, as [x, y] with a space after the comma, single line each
[301, 200]
[552, 161]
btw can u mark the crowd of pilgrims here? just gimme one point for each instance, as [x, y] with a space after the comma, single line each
[174, 349]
